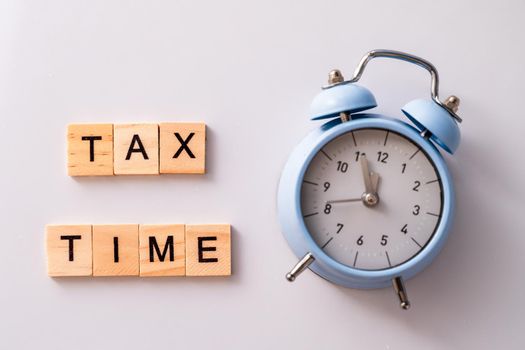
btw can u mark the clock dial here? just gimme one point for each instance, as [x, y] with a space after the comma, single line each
[397, 218]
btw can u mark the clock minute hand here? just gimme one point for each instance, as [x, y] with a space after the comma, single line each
[366, 175]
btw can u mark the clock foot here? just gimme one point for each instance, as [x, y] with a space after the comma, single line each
[401, 292]
[300, 267]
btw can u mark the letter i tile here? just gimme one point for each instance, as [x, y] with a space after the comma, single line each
[115, 250]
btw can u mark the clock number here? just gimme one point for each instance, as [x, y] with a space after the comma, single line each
[360, 240]
[357, 155]
[327, 208]
[416, 187]
[326, 186]
[384, 240]
[339, 228]
[382, 157]
[403, 166]
[416, 209]
[342, 166]
[404, 229]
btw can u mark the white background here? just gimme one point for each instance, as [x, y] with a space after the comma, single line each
[250, 71]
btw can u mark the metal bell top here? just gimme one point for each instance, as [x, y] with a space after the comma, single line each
[436, 118]
[428, 115]
[339, 97]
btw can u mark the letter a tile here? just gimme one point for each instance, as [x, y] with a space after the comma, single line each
[136, 149]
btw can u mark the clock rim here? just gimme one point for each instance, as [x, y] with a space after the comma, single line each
[431, 163]
[300, 240]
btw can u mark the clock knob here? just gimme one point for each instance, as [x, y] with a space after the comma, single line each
[335, 76]
[452, 103]
[340, 97]
[436, 121]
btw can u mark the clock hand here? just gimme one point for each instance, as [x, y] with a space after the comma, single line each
[366, 174]
[344, 200]
[375, 181]
[371, 180]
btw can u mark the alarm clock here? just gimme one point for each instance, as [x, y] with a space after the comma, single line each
[365, 200]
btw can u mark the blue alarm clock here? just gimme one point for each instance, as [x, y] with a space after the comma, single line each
[367, 201]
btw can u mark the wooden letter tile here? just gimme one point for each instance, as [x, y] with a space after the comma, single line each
[136, 149]
[162, 250]
[115, 250]
[182, 148]
[69, 250]
[90, 149]
[208, 250]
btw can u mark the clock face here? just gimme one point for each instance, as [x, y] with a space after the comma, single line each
[375, 221]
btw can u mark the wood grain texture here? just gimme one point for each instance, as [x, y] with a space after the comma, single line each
[115, 250]
[182, 148]
[69, 250]
[136, 149]
[162, 242]
[208, 250]
[90, 149]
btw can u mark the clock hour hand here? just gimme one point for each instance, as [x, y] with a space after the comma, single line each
[371, 180]
[374, 177]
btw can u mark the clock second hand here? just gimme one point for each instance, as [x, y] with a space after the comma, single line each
[344, 200]
[375, 182]
[371, 181]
